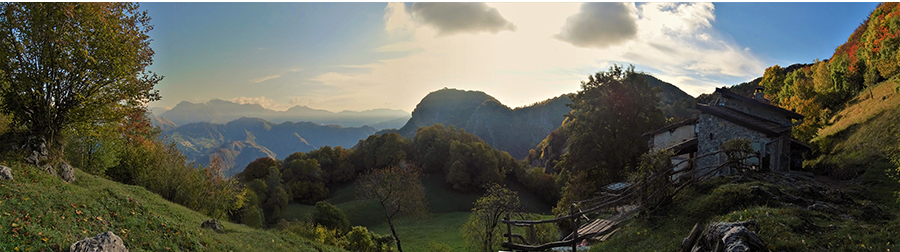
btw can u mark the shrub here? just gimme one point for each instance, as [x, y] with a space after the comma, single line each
[161, 168]
[330, 216]
[92, 149]
[361, 239]
[330, 236]
[252, 216]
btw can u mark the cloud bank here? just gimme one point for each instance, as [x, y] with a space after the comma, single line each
[600, 25]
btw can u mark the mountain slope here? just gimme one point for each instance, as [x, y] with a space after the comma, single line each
[220, 112]
[241, 141]
[40, 212]
[511, 130]
[517, 130]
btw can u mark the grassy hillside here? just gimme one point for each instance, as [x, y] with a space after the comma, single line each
[865, 131]
[847, 203]
[39, 212]
[449, 210]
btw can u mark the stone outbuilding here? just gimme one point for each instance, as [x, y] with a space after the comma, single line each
[731, 116]
[680, 138]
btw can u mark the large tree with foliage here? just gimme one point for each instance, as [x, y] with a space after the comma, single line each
[63, 64]
[397, 189]
[609, 115]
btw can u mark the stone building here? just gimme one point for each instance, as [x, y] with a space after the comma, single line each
[680, 138]
[730, 116]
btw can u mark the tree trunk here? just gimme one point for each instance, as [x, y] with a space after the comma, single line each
[394, 232]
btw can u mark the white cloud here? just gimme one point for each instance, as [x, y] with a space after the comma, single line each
[262, 101]
[396, 20]
[469, 17]
[274, 76]
[681, 18]
[600, 25]
[259, 80]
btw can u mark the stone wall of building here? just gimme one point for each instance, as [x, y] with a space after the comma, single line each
[715, 131]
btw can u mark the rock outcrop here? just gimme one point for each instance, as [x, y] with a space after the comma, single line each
[37, 150]
[105, 242]
[39, 155]
[5, 173]
[213, 224]
[725, 237]
[66, 172]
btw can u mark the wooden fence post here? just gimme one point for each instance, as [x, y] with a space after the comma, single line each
[574, 228]
[508, 229]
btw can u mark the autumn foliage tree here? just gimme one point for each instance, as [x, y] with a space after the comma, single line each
[73, 63]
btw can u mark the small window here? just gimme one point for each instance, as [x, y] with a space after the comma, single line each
[711, 136]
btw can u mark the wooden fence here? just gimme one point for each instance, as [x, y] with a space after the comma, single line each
[651, 191]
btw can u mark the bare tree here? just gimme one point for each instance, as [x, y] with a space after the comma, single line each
[397, 189]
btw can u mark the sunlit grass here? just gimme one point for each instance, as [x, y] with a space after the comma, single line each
[868, 104]
[39, 212]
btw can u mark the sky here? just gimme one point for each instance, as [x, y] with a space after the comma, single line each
[361, 56]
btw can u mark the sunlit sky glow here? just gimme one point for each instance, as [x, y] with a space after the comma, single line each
[359, 56]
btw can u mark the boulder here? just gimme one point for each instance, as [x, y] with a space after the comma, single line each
[49, 169]
[66, 172]
[105, 242]
[727, 237]
[5, 173]
[38, 152]
[213, 224]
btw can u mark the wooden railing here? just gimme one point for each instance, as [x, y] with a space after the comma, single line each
[647, 194]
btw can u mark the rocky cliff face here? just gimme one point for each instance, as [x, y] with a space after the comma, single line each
[511, 130]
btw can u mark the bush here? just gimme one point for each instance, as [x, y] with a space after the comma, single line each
[304, 229]
[363, 240]
[252, 216]
[94, 150]
[358, 239]
[161, 168]
[330, 236]
[538, 182]
[330, 216]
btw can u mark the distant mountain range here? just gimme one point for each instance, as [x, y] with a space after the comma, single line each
[269, 133]
[243, 140]
[220, 111]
